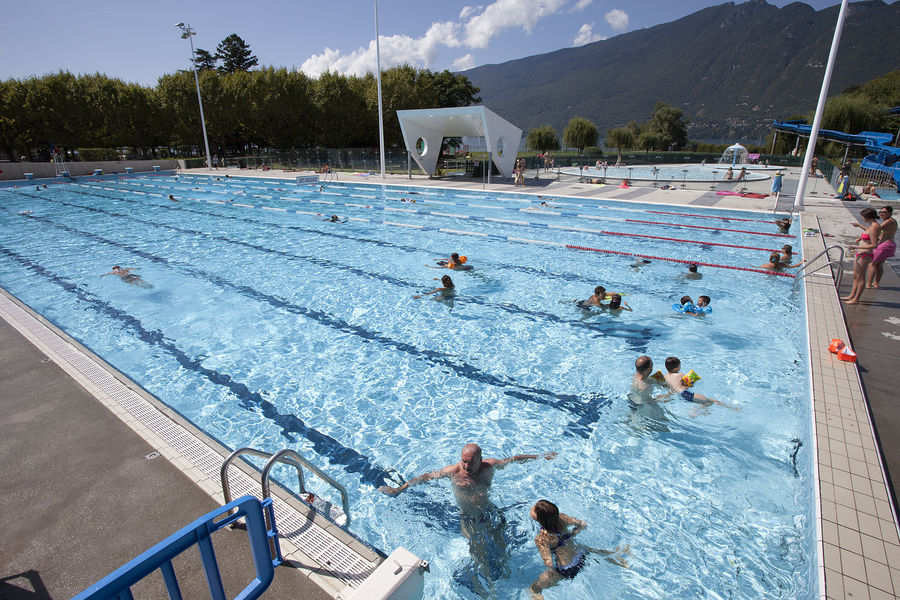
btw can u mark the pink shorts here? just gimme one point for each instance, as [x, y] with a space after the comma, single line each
[884, 251]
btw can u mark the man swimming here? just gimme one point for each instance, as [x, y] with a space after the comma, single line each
[481, 522]
[128, 276]
[596, 299]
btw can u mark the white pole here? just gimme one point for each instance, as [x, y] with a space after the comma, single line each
[820, 108]
[378, 79]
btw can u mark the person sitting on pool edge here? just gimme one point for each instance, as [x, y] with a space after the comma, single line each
[595, 300]
[446, 291]
[675, 380]
[456, 262]
[556, 545]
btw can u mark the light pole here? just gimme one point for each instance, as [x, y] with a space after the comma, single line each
[186, 34]
[378, 80]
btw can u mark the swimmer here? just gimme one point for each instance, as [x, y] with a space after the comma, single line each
[556, 544]
[335, 219]
[615, 303]
[693, 272]
[44, 186]
[172, 198]
[456, 263]
[784, 225]
[128, 276]
[775, 263]
[703, 301]
[446, 291]
[639, 262]
[481, 522]
[595, 300]
[24, 212]
[642, 384]
[676, 382]
[787, 253]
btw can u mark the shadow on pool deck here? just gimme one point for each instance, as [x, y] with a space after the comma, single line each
[80, 497]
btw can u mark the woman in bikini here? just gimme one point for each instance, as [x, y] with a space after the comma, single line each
[865, 252]
[555, 542]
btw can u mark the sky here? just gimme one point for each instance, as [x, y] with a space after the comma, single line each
[138, 42]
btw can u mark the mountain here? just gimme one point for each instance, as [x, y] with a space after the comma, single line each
[731, 68]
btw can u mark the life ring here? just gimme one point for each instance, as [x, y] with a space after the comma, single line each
[689, 309]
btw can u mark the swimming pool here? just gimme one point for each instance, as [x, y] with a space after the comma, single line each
[269, 327]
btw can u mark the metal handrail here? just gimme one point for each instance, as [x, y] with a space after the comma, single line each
[292, 457]
[840, 276]
[801, 273]
[288, 457]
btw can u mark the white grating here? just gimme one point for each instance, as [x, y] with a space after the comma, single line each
[333, 554]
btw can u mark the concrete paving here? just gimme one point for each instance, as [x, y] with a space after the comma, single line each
[80, 496]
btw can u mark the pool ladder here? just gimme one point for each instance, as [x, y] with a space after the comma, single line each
[801, 272]
[294, 459]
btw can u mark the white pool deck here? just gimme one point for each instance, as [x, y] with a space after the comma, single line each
[859, 544]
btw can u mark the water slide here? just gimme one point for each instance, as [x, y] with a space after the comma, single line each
[883, 157]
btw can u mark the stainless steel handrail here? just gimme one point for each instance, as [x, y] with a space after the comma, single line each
[801, 273]
[223, 472]
[291, 457]
[288, 457]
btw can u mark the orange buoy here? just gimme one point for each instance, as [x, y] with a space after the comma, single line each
[847, 355]
[835, 346]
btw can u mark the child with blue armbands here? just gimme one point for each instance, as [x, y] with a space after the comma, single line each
[686, 305]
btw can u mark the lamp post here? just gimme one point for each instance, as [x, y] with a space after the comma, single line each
[378, 80]
[186, 34]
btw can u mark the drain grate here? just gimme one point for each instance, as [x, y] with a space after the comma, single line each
[317, 543]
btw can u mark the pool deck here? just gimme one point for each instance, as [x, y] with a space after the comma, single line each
[107, 493]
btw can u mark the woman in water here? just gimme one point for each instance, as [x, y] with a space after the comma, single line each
[555, 542]
[446, 291]
[128, 276]
[865, 252]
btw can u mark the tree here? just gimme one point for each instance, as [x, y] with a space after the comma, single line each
[235, 55]
[852, 114]
[580, 133]
[668, 123]
[620, 137]
[652, 140]
[204, 61]
[542, 138]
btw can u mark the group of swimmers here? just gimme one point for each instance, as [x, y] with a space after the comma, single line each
[483, 524]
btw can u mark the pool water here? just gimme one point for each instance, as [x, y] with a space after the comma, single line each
[269, 327]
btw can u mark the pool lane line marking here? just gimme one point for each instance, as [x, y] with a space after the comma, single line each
[326, 446]
[582, 216]
[499, 198]
[679, 260]
[571, 403]
[542, 242]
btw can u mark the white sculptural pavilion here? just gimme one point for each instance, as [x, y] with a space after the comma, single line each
[424, 130]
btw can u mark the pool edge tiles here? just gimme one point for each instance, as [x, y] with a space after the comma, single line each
[308, 544]
[859, 544]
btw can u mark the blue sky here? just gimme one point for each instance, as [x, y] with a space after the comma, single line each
[137, 41]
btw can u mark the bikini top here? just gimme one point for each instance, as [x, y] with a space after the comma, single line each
[864, 237]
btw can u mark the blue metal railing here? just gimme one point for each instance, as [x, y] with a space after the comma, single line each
[118, 583]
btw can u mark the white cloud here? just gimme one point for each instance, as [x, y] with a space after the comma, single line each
[395, 50]
[586, 35]
[468, 11]
[464, 63]
[617, 19]
[581, 5]
[502, 14]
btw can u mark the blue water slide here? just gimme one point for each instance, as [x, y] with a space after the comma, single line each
[883, 157]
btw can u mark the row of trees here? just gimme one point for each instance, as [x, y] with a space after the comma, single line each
[263, 108]
[666, 129]
[856, 109]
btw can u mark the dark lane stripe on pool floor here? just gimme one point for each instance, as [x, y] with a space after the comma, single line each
[586, 408]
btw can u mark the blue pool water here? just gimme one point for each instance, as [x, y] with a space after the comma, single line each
[269, 327]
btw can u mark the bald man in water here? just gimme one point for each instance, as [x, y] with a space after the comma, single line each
[481, 522]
